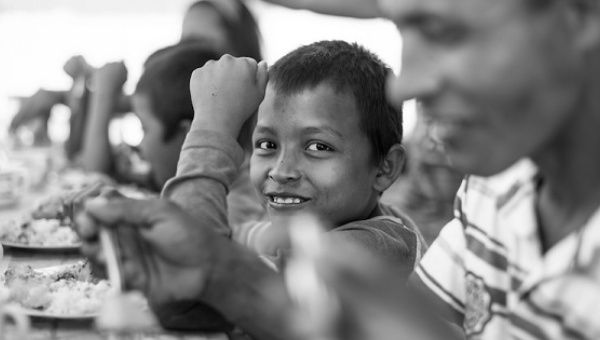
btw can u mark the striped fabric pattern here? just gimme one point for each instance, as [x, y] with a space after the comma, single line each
[488, 267]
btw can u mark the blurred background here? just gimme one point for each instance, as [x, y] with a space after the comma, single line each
[38, 36]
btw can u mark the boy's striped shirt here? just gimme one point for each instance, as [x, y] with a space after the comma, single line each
[487, 265]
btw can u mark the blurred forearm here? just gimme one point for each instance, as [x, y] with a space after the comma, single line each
[350, 8]
[250, 294]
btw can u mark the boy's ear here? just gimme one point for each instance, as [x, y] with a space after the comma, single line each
[390, 168]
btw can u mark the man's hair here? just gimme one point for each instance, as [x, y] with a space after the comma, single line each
[346, 67]
[166, 82]
[241, 28]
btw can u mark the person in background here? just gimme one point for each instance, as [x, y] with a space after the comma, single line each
[426, 189]
[163, 105]
[511, 90]
[326, 143]
[226, 25]
[35, 111]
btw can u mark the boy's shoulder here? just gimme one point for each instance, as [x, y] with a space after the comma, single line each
[391, 235]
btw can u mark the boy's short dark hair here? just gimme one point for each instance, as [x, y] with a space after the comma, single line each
[347, 67]
[166, 82]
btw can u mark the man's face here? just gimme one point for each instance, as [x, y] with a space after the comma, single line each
[311, 156]
[498, 80]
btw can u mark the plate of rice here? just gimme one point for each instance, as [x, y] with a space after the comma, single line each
[43, 234]
[61, 292]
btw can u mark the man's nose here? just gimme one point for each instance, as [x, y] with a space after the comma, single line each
[418, 79]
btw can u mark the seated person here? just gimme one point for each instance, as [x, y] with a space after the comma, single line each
[163, 104]
[311, 83]
[227, 26]
[326, 143]
[427, 187]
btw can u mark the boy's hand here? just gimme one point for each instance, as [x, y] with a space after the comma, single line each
[110, 78]
[226, 93]
[165, 254]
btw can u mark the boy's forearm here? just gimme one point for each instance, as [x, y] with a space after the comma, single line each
[216, 124]
[208, 165]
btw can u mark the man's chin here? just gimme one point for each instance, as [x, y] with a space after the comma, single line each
[480, 166]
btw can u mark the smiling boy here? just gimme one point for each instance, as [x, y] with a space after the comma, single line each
[326, 143]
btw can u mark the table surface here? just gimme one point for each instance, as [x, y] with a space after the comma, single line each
[45, 328]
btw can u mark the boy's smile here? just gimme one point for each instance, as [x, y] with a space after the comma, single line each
[310, 154]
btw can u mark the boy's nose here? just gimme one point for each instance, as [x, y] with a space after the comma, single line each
[285, 170]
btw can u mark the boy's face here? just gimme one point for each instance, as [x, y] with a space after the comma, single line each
[311, 156]
[161, 155]
[498, 80]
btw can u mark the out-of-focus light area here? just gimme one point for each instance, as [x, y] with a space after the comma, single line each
[37, 37]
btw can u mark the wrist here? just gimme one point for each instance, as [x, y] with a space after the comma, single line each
[210, 123]
[218, 276]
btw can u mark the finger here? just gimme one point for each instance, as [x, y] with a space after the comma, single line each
[86, 227]
[91, 250]
[134, 276]
[262, 75]
[115, 212]
[111, 193]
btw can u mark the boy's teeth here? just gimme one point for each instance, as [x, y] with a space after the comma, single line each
[286, 200]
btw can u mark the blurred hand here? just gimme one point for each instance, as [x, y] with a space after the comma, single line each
[164, 252]
[110, 78]
[37, 106]
[76, 66]
[226, 93]
[68, 203]
[375, 303]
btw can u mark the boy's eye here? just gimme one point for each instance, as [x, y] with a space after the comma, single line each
[318, 147]
[265, 145]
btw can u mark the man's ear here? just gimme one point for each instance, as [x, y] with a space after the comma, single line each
[585, 16]
[390, 167]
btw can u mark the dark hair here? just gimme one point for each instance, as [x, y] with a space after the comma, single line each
[241, 29]
[347, 67]
[166, 82]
